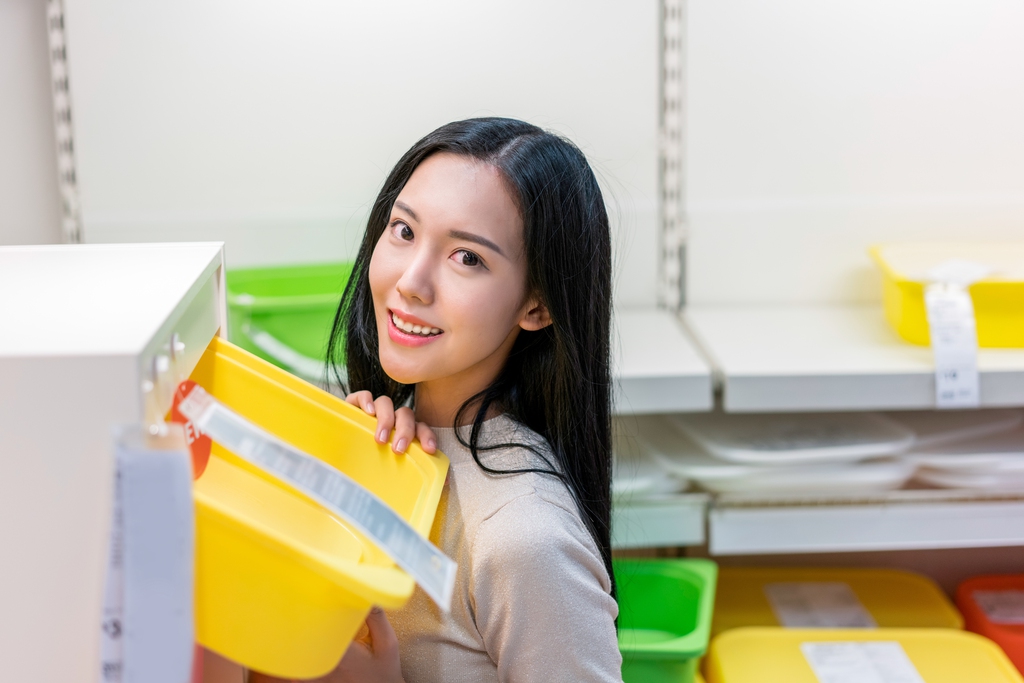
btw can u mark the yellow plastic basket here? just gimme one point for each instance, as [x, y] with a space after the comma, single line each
[775, 655]
[998, 300]
[282, 586]
[892, 598]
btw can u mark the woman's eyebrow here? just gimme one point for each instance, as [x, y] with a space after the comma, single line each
[405, 207]
[477, 239]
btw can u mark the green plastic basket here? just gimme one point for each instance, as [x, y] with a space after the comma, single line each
[665, 609]
[284, 314]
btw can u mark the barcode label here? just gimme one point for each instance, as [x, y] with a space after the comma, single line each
[1001, 606]
[860, 662]
[954, 342]
[817, 604]
[337, 492]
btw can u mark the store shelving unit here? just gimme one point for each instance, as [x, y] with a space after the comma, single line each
[93, 337]
[668, 520]
[834, 357]
[656, 366]
[808, 358]
[899, 520]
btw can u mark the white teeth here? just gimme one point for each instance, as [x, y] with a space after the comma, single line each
[422, 330]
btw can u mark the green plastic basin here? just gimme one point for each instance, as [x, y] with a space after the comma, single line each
[284, 314]
[665, 609]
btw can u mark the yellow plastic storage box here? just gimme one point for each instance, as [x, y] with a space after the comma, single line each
[887, 597]
[282, 586]
[776, 655]
[998, 299]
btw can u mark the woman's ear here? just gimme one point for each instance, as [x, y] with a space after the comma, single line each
[536, 317]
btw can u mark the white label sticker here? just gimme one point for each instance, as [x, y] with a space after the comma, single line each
[860, 662]
[817, 604]
[954, 345]
[1001, 606]
[428, 566]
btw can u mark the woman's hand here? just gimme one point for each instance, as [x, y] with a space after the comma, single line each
[371, 658]
[403, 421]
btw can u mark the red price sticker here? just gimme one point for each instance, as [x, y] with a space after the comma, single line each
[198, 442]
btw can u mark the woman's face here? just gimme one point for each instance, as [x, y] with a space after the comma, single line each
[448, 276]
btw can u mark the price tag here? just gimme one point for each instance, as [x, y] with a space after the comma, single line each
[337, 492]
[1001, 606]
[860, 662]
[147, 629]
[112, 626]
[817, 604]
[954, 344]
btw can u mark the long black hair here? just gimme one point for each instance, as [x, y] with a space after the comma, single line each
[557, 379]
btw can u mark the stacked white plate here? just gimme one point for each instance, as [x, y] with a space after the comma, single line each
[790, 438]
[992, 461]
[636, 474]
[934, 428]
[781, 454]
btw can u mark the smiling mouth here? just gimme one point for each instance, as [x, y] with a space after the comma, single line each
[410, 328]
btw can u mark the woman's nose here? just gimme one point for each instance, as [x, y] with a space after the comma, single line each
[417, 280]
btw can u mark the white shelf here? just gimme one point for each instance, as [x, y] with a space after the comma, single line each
[657, 368]
[101, 299]
[900, 520]
[792, 358]
[669, 520]
[91, 337]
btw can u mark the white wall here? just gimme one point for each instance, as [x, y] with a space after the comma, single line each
[271, 124]
[29, 201]
[817, 128]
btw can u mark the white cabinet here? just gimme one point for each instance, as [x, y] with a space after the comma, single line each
[90, 337]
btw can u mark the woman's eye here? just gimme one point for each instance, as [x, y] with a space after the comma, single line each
[466, 258]
[402, 231]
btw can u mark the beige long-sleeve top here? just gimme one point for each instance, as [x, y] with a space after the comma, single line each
[531, 598]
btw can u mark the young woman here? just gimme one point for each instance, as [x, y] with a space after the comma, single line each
[479, 306]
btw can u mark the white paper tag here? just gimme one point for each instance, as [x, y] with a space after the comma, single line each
[817, 604]
[959, 272]
[112, 626]
[954, 342]
[428, 566]
[860, 662]
[1001, 606]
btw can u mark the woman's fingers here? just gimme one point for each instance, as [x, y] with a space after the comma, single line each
[385, 418]
[362, 399]
[403, 421]
[427, 437]
[382, 635]
[405, 429]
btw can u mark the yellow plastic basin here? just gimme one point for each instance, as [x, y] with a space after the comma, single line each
[998, 300]
[282, 586]
[774, 655]
[892, 598]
